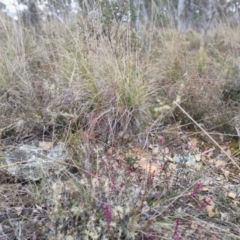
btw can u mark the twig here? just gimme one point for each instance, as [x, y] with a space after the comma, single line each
[206, 133]
[13, 164]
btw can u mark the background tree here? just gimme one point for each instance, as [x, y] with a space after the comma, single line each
[185, 15]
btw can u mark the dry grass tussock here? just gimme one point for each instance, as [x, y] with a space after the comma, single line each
[100, 95]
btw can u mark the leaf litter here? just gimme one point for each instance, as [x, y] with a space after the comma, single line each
[179, 161]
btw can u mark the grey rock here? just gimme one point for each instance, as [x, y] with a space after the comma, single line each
[29, 162]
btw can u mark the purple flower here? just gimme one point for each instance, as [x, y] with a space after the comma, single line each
[107, 212]
[197, 188]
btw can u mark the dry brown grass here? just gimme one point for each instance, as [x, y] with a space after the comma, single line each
[93, 94]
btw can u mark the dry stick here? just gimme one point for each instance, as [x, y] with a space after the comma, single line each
[205, 132]
[12, 164]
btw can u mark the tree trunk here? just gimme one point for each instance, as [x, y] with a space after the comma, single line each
[206, 18]
[185, 15]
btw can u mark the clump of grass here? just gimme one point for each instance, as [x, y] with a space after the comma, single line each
[67, 84]
[201, 60]
[197, 77]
